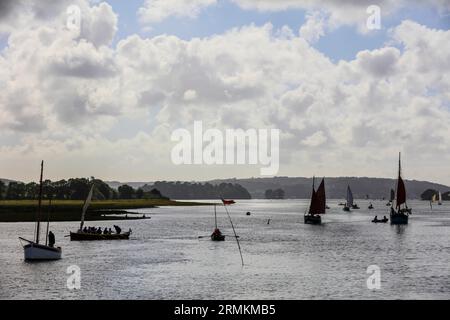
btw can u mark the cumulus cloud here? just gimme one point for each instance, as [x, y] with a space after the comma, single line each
[74, 94]
[314, 27]
[157, 10]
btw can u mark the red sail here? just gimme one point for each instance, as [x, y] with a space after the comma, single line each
[401, 192]
[313, 205]
[320, 195]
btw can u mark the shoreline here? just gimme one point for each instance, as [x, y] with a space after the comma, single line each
[70, 210]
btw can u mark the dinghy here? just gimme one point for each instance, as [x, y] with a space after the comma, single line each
[349, 202]
[384, 220]
[216, 235]
[33, 250]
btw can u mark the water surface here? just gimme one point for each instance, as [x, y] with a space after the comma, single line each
[286, 259]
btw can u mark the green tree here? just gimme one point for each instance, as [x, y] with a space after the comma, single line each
[15, 191]
[126, 192]
[139, 193]
[2, 190]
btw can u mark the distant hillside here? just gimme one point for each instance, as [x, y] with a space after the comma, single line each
[6, 181]
[194, 190]
[116, 184]
[300, 187]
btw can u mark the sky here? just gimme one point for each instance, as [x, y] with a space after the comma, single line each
[104, 99]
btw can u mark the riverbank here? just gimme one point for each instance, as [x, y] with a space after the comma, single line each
[70, 210]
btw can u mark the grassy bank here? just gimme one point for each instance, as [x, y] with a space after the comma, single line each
[70, 210]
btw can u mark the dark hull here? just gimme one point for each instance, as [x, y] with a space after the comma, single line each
[81, 236]
[217, 237]
[347, 209]
[399, 217]
[310, 219]
[380, 221]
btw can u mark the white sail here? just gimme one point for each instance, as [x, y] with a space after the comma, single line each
[349, 197]
[86, 205]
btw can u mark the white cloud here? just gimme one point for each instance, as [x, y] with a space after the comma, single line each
[154, 11]
[314, 27]
[67, 94]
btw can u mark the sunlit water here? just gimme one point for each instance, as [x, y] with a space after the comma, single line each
[286, 259]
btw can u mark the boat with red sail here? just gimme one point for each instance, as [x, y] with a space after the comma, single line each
[401, 212]
[317, 206]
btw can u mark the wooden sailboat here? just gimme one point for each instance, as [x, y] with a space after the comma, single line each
[391, 199]
[400, 214]
[83, 235]
[216, 235]
[317, 205]
[33, 250]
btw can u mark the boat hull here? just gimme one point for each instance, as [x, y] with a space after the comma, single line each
[347, 209]
[81, 236]
[400, 217]
[215, 237]
[35, 252]
[380, 221]
[310, 219]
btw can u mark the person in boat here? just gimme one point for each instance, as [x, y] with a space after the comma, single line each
[109, 231]
[105, 231]
[384, 218]
[117, 228]
[375, 219]
[85, 230]
[216, 233]
[51, 239]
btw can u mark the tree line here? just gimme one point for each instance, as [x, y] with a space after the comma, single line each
[196, 191]
[73, 189]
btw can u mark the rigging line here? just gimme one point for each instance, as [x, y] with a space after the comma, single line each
[235, 235]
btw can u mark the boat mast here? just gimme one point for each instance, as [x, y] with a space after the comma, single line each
[48, 219]
[38, 218]
[215, 217]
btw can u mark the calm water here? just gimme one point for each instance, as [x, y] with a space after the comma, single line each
[284, 260]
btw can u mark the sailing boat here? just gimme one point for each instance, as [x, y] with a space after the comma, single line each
[392, 197]
[349, 203]
[83, 234]
[400, 214]
[216, 235]
[33, 250]
[317, 206]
